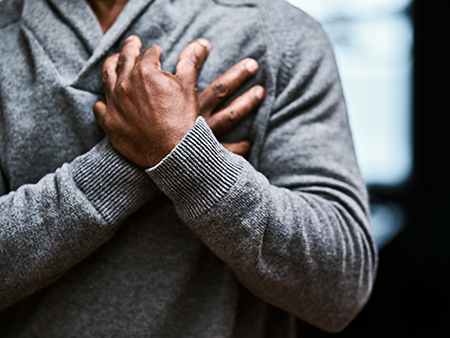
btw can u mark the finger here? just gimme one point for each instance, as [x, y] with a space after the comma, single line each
[223, 120]
[109, 75]
[151, 56]
[240, 148]
[225, 85]
[100, 112]
[191, 60]
[127, 57]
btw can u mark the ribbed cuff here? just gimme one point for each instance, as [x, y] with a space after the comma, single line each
[197, 173]
[114, 185]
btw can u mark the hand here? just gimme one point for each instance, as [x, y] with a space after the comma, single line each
[225, 85]
[148, 111]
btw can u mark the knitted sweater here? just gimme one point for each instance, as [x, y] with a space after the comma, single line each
[206, 243]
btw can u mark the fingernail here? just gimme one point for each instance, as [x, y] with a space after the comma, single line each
[259, 93]
[205, 43]
[131, 37]
[252, 66]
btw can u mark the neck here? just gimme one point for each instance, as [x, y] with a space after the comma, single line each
[107, 11]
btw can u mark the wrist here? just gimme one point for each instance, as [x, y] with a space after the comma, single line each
[168, 140]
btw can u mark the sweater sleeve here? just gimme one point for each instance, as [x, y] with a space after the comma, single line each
[48, 227]
[296, 232]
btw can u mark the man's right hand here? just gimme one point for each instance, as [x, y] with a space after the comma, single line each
[209, 98]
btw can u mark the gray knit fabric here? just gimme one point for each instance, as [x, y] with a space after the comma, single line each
[206, 243]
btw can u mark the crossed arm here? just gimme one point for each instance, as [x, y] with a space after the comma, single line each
[296, 236]
[48, 227]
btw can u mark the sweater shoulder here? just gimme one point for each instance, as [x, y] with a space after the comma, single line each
[280, 20]
[294, 24]
[10, 12]
[286, 13]
[286, 27]
[302, 43]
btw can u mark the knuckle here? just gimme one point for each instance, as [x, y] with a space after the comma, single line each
[122, 87]
[232, 116]
[220, 89]
[120, 62]
[106, 75]
[119, 67]
[110, 63]
[142, 70]
[125, 56]
[122, 58]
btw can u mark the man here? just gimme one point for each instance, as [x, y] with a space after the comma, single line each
[190, 240]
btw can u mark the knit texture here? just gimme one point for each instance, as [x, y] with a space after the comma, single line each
[207, 243]
[197, 173]
[112, 184]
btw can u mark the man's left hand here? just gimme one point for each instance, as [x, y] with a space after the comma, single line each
[148, 111]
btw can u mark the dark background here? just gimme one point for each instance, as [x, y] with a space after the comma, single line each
[411, 296]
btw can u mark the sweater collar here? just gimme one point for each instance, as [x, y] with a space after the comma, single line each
[80, 17]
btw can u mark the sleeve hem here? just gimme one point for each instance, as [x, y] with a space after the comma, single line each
[197, 173]
[114, 185]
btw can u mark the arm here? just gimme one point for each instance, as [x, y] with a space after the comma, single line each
[304, 248]
[297, 232]
[48, 227]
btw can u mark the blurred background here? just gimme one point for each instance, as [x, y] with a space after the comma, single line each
[394, 70]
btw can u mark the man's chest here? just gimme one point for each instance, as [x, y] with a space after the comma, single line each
[51, 78]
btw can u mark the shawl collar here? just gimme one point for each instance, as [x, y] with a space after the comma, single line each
[79, 16]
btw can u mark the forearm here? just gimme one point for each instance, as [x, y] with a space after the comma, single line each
[307, 254]
[48, 227]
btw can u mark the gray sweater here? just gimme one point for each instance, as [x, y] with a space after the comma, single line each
[207, 243]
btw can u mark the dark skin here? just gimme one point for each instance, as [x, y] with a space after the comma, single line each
[107, 11]
[148, 111]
